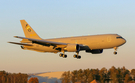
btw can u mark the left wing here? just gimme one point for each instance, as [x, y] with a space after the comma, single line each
[44, 42]
[21, 44]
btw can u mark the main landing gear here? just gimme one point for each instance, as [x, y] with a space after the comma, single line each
[75, 55]
[63, 55]
[115, 48]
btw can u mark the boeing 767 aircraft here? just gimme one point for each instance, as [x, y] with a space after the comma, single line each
[92, 44]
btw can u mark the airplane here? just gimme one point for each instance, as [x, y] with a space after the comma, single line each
[91, 44]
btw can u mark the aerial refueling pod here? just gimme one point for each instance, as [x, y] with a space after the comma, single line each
[22, 47]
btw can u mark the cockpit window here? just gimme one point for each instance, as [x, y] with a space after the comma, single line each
[119, 37]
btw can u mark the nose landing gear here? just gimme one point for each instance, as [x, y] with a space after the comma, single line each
[115, 48]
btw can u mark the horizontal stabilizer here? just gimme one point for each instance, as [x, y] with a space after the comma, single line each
[20, 43]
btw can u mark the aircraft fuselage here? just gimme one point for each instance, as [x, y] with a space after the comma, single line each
[105, 41]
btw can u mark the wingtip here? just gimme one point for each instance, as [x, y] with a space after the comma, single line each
[16, 36]
[8, 42]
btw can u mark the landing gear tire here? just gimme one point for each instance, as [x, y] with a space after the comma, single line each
[64, 56]
[115, 53]
[78, 57]
[75, 56]
[115, 48]
[61, 55]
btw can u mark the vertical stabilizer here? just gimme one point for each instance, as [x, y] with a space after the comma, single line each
[28, 31]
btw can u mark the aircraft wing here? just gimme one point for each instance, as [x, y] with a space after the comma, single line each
[43, 42]
[20, 43]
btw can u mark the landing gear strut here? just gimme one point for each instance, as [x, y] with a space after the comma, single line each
[77, 56]
[115, 48]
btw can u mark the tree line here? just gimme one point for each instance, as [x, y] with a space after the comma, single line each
[113, 75]
[6, 77]
[33, 80]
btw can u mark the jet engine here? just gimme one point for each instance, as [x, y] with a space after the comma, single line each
[97, 51]
[72, 48]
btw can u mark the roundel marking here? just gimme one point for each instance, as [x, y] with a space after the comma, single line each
[28, 28]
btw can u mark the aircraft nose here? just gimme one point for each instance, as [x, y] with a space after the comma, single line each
[124, 41]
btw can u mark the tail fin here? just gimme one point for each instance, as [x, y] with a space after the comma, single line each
[28, 31]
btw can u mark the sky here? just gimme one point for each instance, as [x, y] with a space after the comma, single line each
[66, 18]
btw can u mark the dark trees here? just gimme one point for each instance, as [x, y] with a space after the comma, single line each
[13, 78]
[115, 75]
[66, 77]
[133, 73]
[33, 80]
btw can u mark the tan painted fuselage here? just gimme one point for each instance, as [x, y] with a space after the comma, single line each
[105, 41]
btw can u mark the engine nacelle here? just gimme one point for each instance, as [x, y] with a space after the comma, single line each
[97, 51]
[72, 48]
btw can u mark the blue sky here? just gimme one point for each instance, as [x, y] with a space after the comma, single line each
[62, 18]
